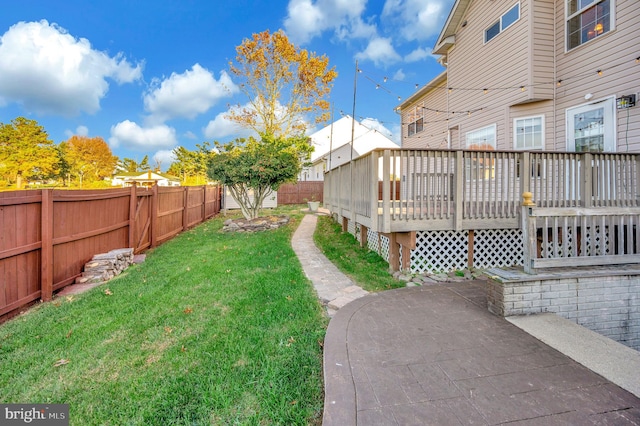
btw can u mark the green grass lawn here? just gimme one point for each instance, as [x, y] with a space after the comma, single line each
[363, 266]
[212, 329]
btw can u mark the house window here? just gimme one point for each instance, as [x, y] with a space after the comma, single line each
[416, 127]
[528, 133]
[481, 165]
[590, 128]
[482, 139]
[505, 21]
[586, 20]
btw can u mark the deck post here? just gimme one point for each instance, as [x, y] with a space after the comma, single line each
[458, 177]
[394, 252]
[363, 236]
[386, 191]
[525, 171]
[529, 234]
[587, 180]
[374, 191]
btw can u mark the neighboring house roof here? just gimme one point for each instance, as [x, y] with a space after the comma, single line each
[338, 134]
[423, 90]
[148, 175]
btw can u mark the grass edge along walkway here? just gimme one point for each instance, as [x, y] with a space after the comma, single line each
[212, 329]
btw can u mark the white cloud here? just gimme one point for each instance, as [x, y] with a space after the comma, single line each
[49, 71]
[399, 75]
[307, 19]
[380, 51]
[190, 135]
[163, 158]
[416, 20]
[418, 55]
[221, 127]
[80, 131]
[130, 135]
[186, 95]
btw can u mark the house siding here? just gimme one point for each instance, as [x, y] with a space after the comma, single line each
[615, 54]
[502, 64]
[434, 134]
[541, 34]
[531, 53]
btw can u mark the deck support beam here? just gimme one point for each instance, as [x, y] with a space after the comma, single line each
[405, 241]
[363, 235]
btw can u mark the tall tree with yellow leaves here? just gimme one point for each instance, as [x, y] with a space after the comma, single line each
[285, 85]
[89, 159]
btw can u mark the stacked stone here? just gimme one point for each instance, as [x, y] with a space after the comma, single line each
[103, 267]
[255, 225]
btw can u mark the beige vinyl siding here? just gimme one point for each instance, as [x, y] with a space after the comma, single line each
[541, 34]
[502, 65]
[615, 54]
[434, 134]
[542, 108]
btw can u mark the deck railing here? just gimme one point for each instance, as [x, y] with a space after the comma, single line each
[463, 189]
[579, 236]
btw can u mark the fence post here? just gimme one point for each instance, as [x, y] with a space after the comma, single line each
[154, 215]
[185, 204]
[133, 202]
[46, 251]
[204, 203]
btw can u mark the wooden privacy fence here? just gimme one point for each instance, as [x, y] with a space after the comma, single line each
[48, 235]
[300, 192]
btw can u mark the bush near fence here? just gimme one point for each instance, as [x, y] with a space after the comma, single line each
[48, 235]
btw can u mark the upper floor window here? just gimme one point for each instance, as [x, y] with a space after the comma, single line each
[586, 20]
[505, 21]
[528, 133]
[416, 127]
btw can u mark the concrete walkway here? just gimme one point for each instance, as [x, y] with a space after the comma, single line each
[435, 355]
[334, 288]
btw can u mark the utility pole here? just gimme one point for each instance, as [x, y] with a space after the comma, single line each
[353, 117]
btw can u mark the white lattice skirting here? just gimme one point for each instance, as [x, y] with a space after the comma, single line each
[443, 251]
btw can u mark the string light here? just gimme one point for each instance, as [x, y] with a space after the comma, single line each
[523, 88]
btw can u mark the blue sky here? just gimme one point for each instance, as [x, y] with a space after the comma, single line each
[148, 76]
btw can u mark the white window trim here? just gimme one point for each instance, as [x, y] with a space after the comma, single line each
[567, 16]
[499, 20]
[610, 143]
[493, 126]
[515, 133]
